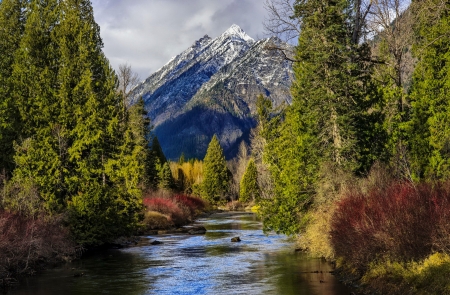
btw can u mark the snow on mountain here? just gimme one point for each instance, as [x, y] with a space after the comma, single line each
[211, 88]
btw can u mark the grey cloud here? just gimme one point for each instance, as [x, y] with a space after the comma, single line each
[147, 33]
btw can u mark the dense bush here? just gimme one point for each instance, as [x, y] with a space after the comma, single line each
[27, 243]
[166, 206]
[192, 203]
[401, 222]
[180, 209]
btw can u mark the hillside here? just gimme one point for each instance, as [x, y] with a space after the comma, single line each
[211, 88]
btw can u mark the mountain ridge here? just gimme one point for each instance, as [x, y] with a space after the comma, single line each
[211, 88]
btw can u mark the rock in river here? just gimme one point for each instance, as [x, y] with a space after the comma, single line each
[236, 239]
[198, 230]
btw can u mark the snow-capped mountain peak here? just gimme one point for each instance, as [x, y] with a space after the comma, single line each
[211, 88]
[235, 30]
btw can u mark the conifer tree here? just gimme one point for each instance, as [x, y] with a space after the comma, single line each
[216, 177]
[429, 126]
[33, 80]
[166, 179]
[249, 188]
[12, 26]
[129, 170]
[72, 131]
[155, 162]
[334, 116]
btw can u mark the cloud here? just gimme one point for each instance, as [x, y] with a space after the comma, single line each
[146, 34]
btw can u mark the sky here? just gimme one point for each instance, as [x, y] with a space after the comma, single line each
[146, 34]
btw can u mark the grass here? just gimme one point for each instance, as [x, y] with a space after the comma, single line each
[427, 276]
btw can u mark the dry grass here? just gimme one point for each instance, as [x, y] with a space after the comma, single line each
[155, 220]
[428, 276]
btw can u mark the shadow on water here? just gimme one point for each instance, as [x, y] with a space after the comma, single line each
[204, 264]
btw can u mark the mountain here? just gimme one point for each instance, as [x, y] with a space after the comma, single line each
[211, 88]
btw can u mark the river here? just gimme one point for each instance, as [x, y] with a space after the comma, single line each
[198, 264]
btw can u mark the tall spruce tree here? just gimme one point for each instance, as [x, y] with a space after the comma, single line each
[12, 26]
[334, 116]
[155, 162]
[72, 133]
[129, 169]
[215, 176]
[249, 189]
[429, 126]
[33, 89]
[166, 179]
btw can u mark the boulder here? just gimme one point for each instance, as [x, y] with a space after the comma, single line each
[235, 239]
[197, 230]
[156, 242]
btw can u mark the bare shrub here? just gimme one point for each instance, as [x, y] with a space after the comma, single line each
[28, 243]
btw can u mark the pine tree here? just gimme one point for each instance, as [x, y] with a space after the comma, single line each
[166, 179]
[129, 170]
[249, 188]
[33, 80]
[216, 177]
[65, 91]
[156, 160]
[12, 26]
[429, 126]
[334, 116]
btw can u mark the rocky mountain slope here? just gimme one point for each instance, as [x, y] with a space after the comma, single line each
[211, 88]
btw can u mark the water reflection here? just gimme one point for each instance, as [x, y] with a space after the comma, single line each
[208, 264]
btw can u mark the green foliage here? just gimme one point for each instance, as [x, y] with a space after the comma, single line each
[21, 196]
[215, 174]
[129, 170]
[12, 24]
[78, 147]
[249, 188]
[166, 179]
[155, 163]
[334, 117]
[100, 214]
[429, 126]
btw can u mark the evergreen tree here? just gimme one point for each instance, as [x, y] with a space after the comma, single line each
[249, 188]
[157, 151]
[215, 174]
[72, 131]
[33, 81]
[12, 26]
[429, 127]
[334, 116]
[129, 170]
[156, 160]
[166, 179]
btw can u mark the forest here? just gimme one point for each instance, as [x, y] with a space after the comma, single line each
[356, 168]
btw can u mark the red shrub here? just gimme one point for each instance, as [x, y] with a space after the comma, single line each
[166, 206]
[399, 222]
[192, 203]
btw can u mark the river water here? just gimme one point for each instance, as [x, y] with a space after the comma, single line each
[198, 264]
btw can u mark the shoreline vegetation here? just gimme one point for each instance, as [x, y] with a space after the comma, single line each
[384, 236]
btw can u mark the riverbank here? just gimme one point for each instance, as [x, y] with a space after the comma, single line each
[195, 264]
[28, 244]
[388, 238]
